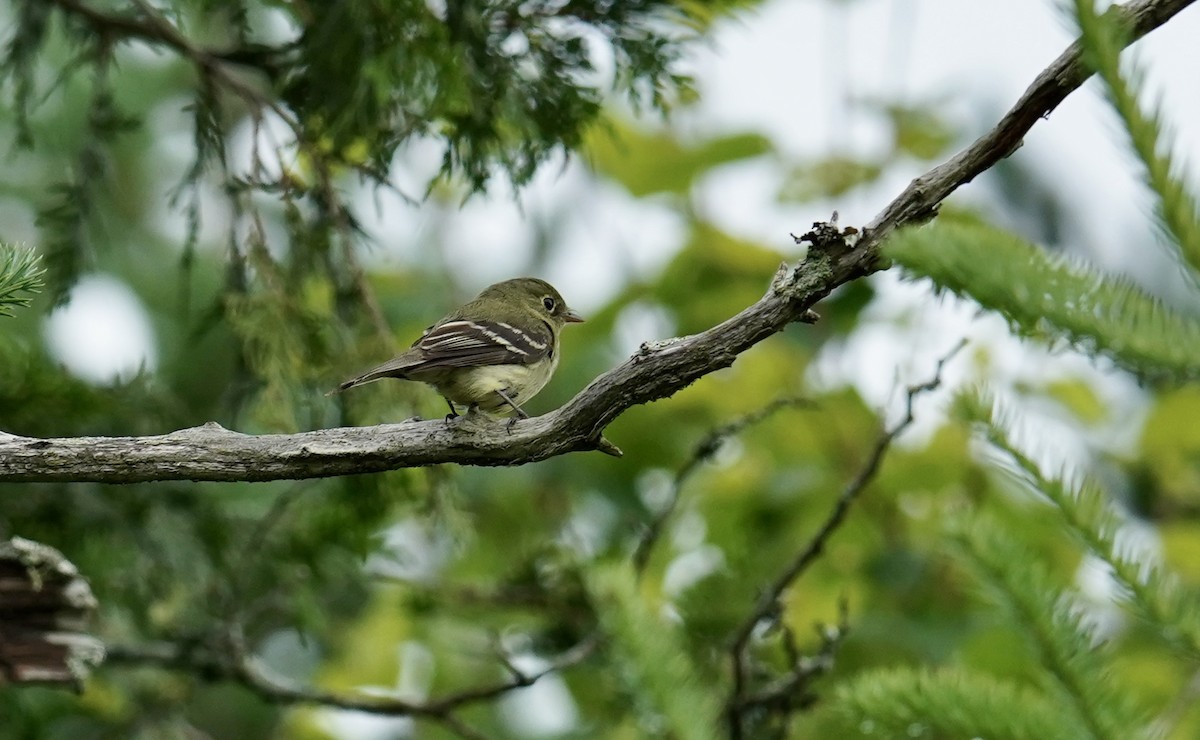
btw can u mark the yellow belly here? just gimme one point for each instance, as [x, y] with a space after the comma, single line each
[478, 386]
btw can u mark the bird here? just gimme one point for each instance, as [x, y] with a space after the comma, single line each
[490, 354]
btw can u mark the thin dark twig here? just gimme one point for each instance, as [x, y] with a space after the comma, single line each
[274, 689]
[790, 690]
[768, 600]
[703, 452]
[250, 673]
[505, 660]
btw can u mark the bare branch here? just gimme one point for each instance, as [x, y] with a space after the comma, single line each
[657, 371]
[790, 691]
[253, 675]
[767, 608]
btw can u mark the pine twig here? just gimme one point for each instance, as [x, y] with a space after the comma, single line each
[20, 276]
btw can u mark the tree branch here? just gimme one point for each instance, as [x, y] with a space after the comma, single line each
[148, 27]
[768, 608]
[251, 674]
[657, 371]
[790, 691]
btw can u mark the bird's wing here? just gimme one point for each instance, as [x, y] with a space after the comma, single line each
[465, 343]
[462, 343]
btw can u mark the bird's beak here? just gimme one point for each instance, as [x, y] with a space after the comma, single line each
[571, 317]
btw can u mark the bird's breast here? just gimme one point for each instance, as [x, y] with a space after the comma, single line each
[478, 385]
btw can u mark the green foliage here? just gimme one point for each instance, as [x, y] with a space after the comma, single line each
[951, 703]
[829, 177]
[1077, 672]
[651, 655]
[20, 275]
[282, 322]
[918, 131]
[1168, 453]
[505, 85]
[1171, 609]
[621, 152]
[66, 214]
[501, 87]
[1081, 687]
[1101, 36]
[1052, 299]
[714, 276]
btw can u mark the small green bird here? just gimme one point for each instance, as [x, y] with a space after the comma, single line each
[495, 352]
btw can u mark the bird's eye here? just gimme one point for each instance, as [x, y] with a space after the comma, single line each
[548, 302]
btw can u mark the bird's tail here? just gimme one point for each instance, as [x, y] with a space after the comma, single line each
[394, 368]
[360, 380]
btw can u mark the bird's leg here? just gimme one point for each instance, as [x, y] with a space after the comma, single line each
[453, 412]
[520, 412]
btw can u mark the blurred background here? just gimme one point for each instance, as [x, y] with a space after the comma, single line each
[202, 266]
